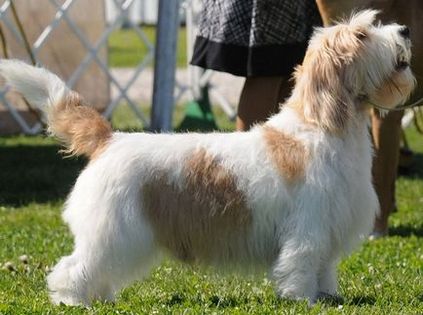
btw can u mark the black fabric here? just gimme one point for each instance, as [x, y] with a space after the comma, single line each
[269, 60]
[254, 37]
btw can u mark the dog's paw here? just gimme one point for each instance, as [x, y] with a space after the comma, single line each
[296, 296]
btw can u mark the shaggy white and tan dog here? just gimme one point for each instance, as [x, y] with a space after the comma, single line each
[294, 193]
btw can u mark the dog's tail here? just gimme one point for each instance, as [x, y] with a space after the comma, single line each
[81, 128]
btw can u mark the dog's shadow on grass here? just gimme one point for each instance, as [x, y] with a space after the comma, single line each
[35, 173]
[406, 231]
[415, 170]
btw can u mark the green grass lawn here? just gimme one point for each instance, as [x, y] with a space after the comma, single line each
[382, 277]
[127, 50]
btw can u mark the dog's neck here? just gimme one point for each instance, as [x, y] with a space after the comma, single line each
[298, 110]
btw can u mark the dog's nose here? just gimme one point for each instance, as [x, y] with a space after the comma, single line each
[404, 32]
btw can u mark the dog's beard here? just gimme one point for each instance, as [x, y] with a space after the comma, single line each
[394, 91]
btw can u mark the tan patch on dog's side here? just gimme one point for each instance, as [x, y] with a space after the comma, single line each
[287, 153]
[80, 127]
[202, 217]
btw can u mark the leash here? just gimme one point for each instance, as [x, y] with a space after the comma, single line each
[417, 103]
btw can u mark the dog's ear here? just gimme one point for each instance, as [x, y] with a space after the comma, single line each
[326, 101]
[327, 78]
[360, 22]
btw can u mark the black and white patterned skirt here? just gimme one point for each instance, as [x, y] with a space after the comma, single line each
[254, 37]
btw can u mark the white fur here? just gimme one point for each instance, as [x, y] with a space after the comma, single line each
[38, 85]
[300, 230]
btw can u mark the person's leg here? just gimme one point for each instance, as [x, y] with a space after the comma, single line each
[260, 98]
[386, 137]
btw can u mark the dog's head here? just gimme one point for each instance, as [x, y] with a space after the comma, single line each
[350, 63]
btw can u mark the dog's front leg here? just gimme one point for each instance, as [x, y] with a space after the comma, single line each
[296, 270]
[304, 244]
[327, 281]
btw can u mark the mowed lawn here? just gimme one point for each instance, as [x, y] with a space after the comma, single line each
[382, 277]
[127, 49]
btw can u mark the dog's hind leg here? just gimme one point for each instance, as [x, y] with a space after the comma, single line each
[113, 247]
[74, 281]
[98, 270]
[67, 283]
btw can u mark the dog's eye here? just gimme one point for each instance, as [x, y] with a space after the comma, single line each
[361, 35]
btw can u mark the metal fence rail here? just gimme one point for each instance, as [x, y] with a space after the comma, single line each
[167, 91]
[91, 56]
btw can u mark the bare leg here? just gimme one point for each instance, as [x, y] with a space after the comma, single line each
[386, 137]
[260, 98]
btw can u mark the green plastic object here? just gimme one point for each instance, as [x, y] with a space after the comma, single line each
[198, 115]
